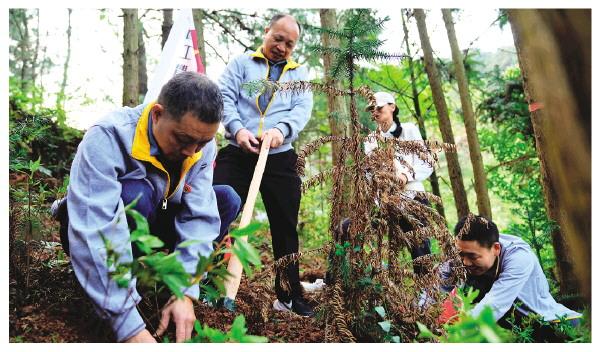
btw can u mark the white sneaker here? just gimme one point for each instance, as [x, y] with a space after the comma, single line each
[312, 287]
[282, 306]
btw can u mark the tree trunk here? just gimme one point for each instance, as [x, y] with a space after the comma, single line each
[34, 62]
[458, 188]
[554, 50]
[483, 199]
[433, 179]
[142, 72]
[166, 25]
[60, 97]
[199, 25]
[336, 105]
[130, 60]
[23, 54]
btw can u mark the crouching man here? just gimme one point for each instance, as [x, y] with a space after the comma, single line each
[508, 276]
[163, 153]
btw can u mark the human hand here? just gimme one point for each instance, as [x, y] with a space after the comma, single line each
[143, 336]
[246, 140]
[276, 137]
[182, 311]
[403, 179]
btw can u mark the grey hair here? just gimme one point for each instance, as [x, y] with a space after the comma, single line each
[195, 93]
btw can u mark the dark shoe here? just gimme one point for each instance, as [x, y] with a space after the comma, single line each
[58, 210]
[296, 305]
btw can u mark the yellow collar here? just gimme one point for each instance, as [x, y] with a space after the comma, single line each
[290, 65]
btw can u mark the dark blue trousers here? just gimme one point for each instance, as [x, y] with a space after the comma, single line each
[162, 222]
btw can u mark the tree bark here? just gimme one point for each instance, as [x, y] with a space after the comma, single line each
[130, 61]
[433, 179]
[34, 63]
[199, 25]
[554, 50]
[60, 97]
[336, 105]
[458, 188]
[166, 25]
[481, 190]
[142, 72]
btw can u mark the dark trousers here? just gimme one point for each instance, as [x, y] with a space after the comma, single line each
[280, 190]
[161, 222]
[418, 251]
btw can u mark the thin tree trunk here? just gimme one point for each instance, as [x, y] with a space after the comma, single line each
[456, 180]
[34, 63]
[481, 190]
[130, 61]
[60, 97]
[142, 72]
[336, 105]
[166, 25]
[199, 25]
[433, 179]
[561, 127]
[24, 45]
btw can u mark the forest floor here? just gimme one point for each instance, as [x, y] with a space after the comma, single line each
[47, 304]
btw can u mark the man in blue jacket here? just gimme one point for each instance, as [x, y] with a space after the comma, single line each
[248, 119]
[509, 277]
[162, 152]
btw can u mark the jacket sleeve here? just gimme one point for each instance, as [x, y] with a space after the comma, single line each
[517, 268]
[199, 219]
[95, 208]
[230, 84]
[421, 169]
[300, 112]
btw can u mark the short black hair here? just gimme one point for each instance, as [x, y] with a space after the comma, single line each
[477, 228]
[192, 92]
[279, 16]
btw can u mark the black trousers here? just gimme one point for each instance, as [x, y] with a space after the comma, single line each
[420, 250]
[280, 190]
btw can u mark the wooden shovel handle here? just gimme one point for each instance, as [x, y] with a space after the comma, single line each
[232, 283]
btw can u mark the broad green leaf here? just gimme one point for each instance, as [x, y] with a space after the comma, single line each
[385, 325]
[188, 243]
[381, 311]
[424, 331]
[246, 231]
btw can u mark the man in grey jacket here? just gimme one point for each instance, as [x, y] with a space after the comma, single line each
[508, 275]
[162, 154]
[248, 119]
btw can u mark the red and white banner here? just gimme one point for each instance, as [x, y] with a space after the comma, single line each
[179, 54]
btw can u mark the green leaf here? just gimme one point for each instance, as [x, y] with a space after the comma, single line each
[385, 325]
[424, 332]
[188, 243]
[246, 231]
[45, 171]
[396, 339]
[247, 255]
[151, 241]
[381, 311]
[34, 165]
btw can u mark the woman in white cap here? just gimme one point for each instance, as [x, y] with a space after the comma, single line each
[385, 114]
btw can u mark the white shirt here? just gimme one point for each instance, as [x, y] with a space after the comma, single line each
[421, 169]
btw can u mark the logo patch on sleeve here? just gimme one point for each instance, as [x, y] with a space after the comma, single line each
[187, 188]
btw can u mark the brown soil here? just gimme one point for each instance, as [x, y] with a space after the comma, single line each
[48, 305]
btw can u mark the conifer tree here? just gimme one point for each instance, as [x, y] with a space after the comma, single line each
[370, 281]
